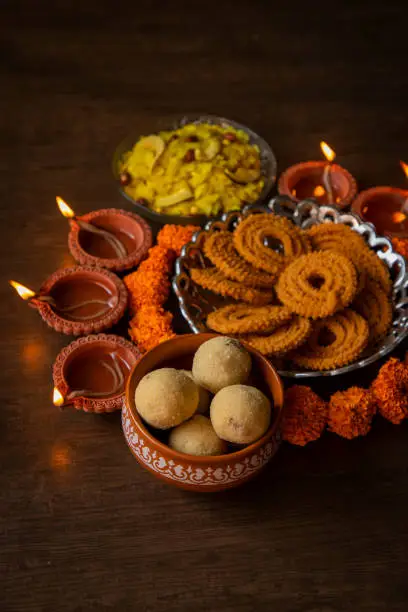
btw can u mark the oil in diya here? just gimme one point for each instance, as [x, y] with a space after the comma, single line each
[78, 300]
[324, 181]
[109, 238]
[91, 373]
[386, 208]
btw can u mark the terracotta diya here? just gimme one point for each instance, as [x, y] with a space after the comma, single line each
[108, 238]
[325, 181]
[78, 300]
[386, 208]
[91, 373]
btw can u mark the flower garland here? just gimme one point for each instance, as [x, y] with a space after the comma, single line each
[401, 246]
[348, 413]
[149, 288]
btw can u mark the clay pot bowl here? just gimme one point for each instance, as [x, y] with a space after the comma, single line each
[94, 250]
[89, 364]
[300, 180]
[378, 205]
[202, 474]
[86, 285]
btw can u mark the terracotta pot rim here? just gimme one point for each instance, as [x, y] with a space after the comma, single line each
[380, 188]
[91, 404]
[364, 195]
[198, 459]
[283, 180]
[68, 326]
[116, 263]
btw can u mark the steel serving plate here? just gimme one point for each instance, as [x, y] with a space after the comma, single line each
[196, 303]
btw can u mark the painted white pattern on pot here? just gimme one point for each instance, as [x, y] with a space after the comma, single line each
[195, 475]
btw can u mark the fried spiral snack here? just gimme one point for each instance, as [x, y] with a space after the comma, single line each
[375, 306]
[334, 342]
[304, 417]
[341, 238]
[215, 281]
[285, 338]
[242, 319]
[318, 284]
[220, 250]
[252, 232]
[391, 390]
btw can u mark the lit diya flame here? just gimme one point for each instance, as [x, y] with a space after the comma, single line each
[327, 151]
[400, 217]
[65, 210]
[330, 156]
[57, 398]
[28, 294]
[114, 242]
[24, 292]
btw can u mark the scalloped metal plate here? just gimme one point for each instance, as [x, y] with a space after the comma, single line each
[195, 303]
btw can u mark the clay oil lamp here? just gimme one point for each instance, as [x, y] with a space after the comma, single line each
[386, 208]
[91, 373]
[107, 238]
[78, 300]
[325, 181]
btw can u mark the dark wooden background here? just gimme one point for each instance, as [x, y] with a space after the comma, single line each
[83, 527]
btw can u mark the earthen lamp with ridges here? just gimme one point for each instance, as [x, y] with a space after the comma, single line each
[386, 208]
[325, 181]
[109, 238]
[91, 373]
[78, 300]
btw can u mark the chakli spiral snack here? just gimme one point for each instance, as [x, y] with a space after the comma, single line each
[220, 250]
[216, 281]
[313, 273]
[334, 342]
[391, 390]
[375, 306]
[285, 338]
[351, 412]
[242, 318]
[304, 417]
[252, 232]
[318, 284]
[341, 238]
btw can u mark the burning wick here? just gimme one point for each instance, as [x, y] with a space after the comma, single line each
[117, 387]
[114, 242]
[57, 398]
[404, 167]
[326, 179]
[31, 296]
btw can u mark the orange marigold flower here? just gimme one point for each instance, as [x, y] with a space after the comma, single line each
[304, 415]
[351, 412]
[150, 326]
[401, 246]
[176, 236]
[150, 284]
[391, 390]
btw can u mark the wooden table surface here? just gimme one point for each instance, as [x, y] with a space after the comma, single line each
[83, 526]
